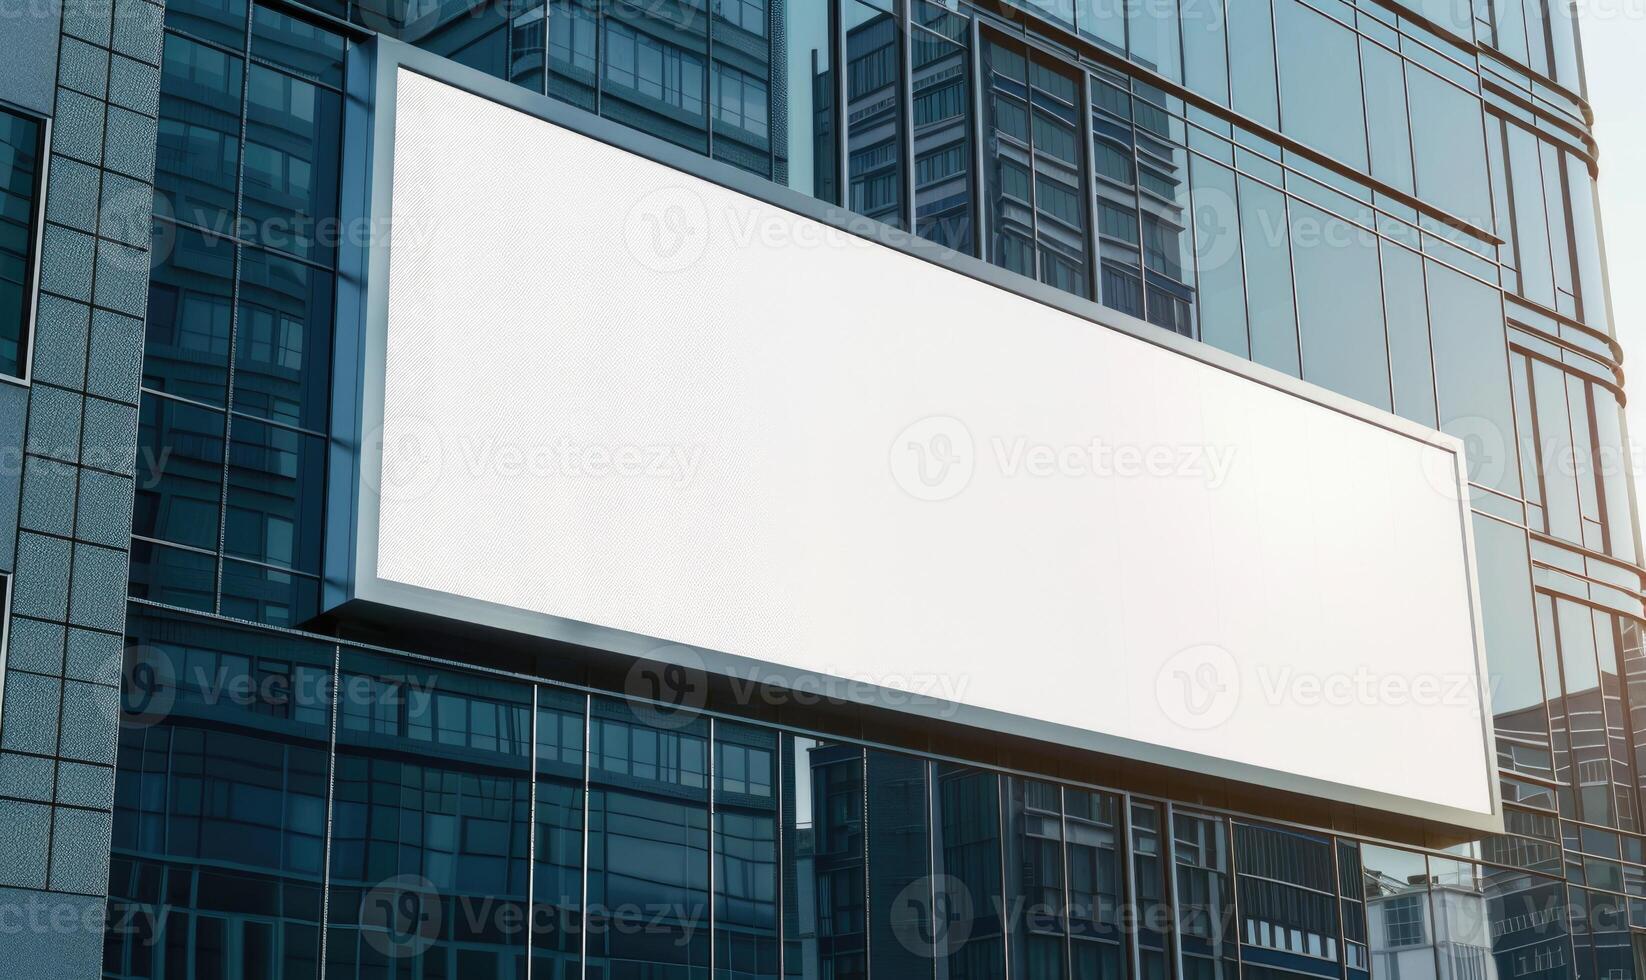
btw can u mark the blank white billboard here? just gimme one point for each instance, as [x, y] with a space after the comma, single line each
[626, 406]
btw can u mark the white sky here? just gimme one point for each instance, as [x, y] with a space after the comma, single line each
[1614, 48]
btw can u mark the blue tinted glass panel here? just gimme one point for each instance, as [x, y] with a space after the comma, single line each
[19, 190]
[654, 66]
[283, 340]
[268, 595]
[574, 44]
[1206, 925]
[557, 891]
[197, 161]
[1406, 314]
[745, 853]
[1098, 948]
[220, 803]
[825, 912]
[1471, 379]
[874, 112]
[431, 822]
[1253, 87]
[1217, 257]
[1320, 97]
[648, 843]
[190, 314]
[1339, 305]
[809, 112]
[1449, 148]
[298, 46]
[741, 96]
[221, 21]
[1267, 247]
[940, 50]
[173, 576]
[292, 159]
[1035, 878]
[179, 472]
[274, 500]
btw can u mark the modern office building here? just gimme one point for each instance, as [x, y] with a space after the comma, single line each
[812, 489]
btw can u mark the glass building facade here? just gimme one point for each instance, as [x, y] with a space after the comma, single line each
[1393, 200]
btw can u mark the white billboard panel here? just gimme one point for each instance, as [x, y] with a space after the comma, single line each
[617, 401]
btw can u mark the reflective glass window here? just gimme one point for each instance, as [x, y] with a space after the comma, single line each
[298, 46]
[1448, 150]
[220, 804]
[1098, 948]
[1114, 165]
[1206, 926]
[874, 111]
[291, 164]
[654, 60]
[648, 869]
[1406, 318]
[275, 482]
[1035, 887]
[190, 314]
[1288, 905]
[220, 21]
[901, 933]
[1340, 305]
[967, 856]
[180, 454]
[430, 822]
[825, 911]
[283, 340]
[20, 168]
[1476, 404]
[746, 821]
[1511, 649]
[197, 161]
[1151, 905]
[1320, 94]
[940, 48]
[1270, 308]
[808, 107]
[557, 875]
[574, 48]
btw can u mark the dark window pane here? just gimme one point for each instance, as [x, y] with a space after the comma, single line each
[1034, 878]
[282, 349]
[19, 190]
[268, 595]
[274, 501]
[825, 914]
[222, 21]
[173, 576]
[198, 156]
[432, 811]
[1205, 898]
[220, 800]
[179, 473]
[558, 876]
[1098, 945]
[190, 314]
[966, 869]
[655, 69]
[573, 50]
[292, 159]
[874, 110]
[1340, 305]
[745, 870]
[298, 46]
[742, 85]
[901, 920]
[1288, 905]
[1152, 905]
[1114, 157]
[648, 844]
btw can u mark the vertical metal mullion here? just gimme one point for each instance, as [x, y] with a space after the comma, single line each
[331, 806]
[843, 166]
[531, 834]
[233, 240]
[709, 106]
[1085, 134]
[781, 827]
[1003, 809]
[1128, 864]
[713, 771]
[905, 15]
[1342, 934]
[599, 66]
[930, 770]
[1234, 896]
[1063, 869]
[1166, 842]
[588, 813]
[863, 781]
[980, 212]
